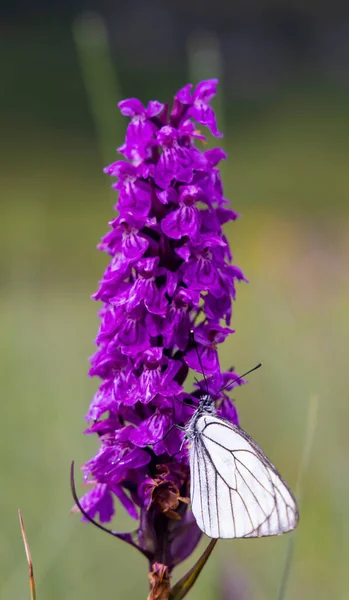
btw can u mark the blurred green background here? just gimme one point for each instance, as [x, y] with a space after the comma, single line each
[286, 132]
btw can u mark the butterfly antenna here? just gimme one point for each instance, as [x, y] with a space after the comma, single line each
[199, 359]
[197, 381]
[239, 378]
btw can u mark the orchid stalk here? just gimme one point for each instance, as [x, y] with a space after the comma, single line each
[170, 274]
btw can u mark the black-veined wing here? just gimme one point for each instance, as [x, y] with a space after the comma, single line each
[235, 489]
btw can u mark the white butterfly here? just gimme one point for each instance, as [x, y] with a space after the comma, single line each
[235, 490]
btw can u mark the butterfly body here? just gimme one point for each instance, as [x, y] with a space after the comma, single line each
[235, 490]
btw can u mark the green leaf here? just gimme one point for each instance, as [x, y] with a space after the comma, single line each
[184, 585]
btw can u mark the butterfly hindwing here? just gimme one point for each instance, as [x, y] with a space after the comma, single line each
[235, 490]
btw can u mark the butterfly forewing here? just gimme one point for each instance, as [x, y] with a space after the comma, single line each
[235, 489]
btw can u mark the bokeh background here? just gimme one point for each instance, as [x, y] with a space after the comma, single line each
[283, 104]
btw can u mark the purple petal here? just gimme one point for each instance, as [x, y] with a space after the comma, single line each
[208, 358]
[200, 109]
[218, 308]
[206, 90]
[151, 430]
[154, 108]
[134, 246]
[211, 334]
[174, 163]
[184, 94]
[204, 115]
[125, 501]
[167, 196]
[135, 199]
[200, 272]
[98, 501]
[188, 129]
[134, 459]
[215, 155]
[132, 336]
[131, 107]
[184, 221]
[224, 215]
[228, 411]
[103, 401]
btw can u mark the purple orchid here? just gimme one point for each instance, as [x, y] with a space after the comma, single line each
[169, 273]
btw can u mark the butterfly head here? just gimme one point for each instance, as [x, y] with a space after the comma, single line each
[207, 404]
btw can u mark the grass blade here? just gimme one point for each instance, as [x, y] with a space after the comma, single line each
[29, 558]
[309, 438]
[103, 91]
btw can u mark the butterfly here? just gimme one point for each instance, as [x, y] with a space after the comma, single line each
[235, 491]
